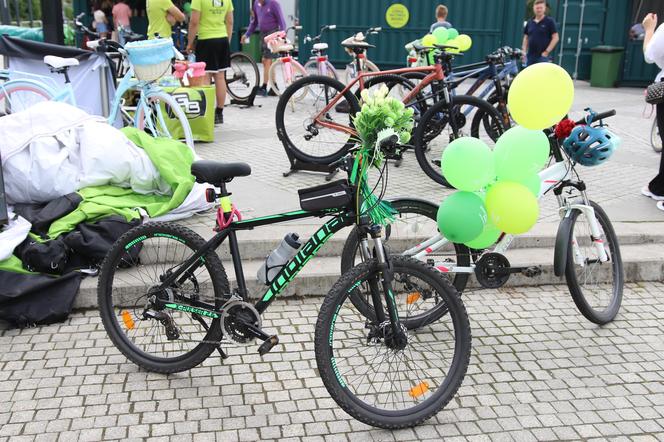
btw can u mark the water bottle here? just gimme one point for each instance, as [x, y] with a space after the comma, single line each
[191, 58]
[278, 258]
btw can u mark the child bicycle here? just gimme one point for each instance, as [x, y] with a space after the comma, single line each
[586, 248]
[166, 302]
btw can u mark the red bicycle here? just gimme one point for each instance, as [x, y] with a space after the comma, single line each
[317, 131]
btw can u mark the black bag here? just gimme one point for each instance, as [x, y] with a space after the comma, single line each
[334, 195]
[655, 93]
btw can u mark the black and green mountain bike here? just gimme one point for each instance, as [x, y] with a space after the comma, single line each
[392, 340]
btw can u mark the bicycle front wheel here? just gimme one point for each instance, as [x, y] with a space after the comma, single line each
[153, 337]
[162, 116]
[372, 379]
[435, 132]
[242, 77]
[309, 136]
[279, 79]
[595, 286]
[18, 95]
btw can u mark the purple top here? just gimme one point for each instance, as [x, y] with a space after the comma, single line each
[267, 17]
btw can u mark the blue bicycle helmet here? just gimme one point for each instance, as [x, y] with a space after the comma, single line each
[590, 146]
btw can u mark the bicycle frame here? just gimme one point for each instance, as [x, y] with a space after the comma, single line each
[281, 280]
[435, 74]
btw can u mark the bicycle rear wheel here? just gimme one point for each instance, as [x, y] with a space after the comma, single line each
[162, 116]
[18, 95]
[372, 379]
[156, 338]
[595, 286]
[242, 76]
[434, 131]
[655, 138]
[304, 136]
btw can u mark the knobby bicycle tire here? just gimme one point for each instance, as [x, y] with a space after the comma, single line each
[118, 259]
[339, 383]
[609, 312]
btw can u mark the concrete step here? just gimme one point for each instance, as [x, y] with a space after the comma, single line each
[258, 243]
[642, 262]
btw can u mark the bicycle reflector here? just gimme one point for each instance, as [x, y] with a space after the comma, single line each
[210, 195]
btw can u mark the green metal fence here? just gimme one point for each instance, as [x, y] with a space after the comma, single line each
[490, 23]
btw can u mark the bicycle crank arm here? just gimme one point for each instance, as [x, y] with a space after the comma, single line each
[269, 342]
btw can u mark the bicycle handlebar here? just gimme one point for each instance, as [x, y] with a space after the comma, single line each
[596, 117]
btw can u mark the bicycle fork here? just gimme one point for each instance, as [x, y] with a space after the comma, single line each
[399, 338]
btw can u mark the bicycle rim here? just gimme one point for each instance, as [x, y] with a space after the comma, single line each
[308, 140]
[16, 96]
[161, 116]
[242, 76]
[392, 387]
[130, 277]
[596, 286]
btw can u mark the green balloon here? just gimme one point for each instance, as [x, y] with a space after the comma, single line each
[441, 35]
[187, 7]
[461, 217]
[520, 153]
[533, 183]
[467, 164]
[452, 33]
[511, 207]
[487, 238]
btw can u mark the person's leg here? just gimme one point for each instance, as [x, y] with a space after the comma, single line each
[267, 63]
[220, 86]
[656, 186]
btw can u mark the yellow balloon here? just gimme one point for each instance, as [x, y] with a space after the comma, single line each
[540, 96]
[464, 42]
[511, 207]
[429, 40]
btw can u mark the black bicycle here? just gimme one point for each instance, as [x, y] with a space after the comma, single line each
[167, 304]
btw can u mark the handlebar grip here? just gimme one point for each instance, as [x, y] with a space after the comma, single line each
[378, 29]
[297, 28]
[332, 27]
[599, 116]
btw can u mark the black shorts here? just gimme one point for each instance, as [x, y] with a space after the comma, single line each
[215, 52]
[265, 51]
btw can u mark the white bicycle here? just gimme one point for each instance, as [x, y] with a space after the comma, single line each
[586, 249]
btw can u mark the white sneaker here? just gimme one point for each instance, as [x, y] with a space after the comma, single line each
[660, 205]
[646, 191]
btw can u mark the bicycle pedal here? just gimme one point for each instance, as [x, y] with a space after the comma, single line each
[268, 345]
[532, 272]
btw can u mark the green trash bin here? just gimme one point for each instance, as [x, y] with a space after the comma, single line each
[605, 65]
[253, 48]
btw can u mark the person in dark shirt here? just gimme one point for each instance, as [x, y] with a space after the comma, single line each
[540, 36]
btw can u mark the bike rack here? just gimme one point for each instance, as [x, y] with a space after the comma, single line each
[247, 102]
[302, 166]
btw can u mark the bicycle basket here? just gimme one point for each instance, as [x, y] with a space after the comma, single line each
[333, 195]
[151, 59]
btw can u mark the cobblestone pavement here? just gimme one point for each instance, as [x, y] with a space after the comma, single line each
[249, 135]
[539, 371]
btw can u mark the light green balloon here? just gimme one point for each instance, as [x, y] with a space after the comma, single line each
[487, 238]
[533, 183]
[428, 40]
[520, 153]
[467, 164]
[461, 217]
[441, 35]
[511, 207]
[464, 42]
[452, 34]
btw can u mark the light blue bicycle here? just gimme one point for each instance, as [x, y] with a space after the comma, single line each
[155, 111]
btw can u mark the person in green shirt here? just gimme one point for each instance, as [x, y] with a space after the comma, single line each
[212, 22]
[162, 14]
